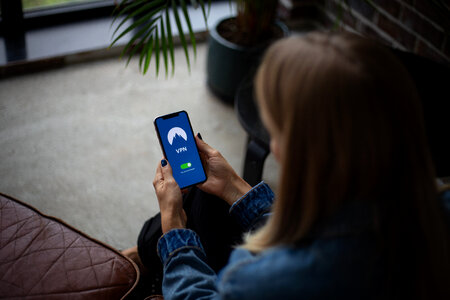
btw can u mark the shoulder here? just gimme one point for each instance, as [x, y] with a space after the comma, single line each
[254, 276]
[286, 272]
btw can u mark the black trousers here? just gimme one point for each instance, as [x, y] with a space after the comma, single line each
[209, 217]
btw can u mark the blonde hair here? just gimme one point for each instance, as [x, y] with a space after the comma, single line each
[352, 130]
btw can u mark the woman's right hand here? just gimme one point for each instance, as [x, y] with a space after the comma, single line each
[222, 180]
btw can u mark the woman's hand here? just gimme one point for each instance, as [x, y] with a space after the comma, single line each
[222, 179]
[169, 198]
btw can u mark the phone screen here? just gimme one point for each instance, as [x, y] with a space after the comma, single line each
[179, 147]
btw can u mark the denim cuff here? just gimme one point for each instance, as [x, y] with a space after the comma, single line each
[253, 205]
[175, 240]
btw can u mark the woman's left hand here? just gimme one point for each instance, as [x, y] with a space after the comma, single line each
[169, 198]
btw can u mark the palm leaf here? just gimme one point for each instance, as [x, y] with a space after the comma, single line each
[148, 53]
[143, 33]
[152, 31]
[141, 21]
[116, 9]
[133, 51]
[147, 7]
[139, 45]
[145, 48]
[188, 22]
[164, 47]
[170, 41]
[157, 52]
[205, 16]
[180, 33]
[126, 9]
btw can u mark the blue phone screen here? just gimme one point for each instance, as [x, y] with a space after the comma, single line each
[179, 145]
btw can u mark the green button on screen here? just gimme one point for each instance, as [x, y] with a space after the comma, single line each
[186, 165]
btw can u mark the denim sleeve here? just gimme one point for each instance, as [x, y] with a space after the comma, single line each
[186, 273]
[252, 209]
[445, 203]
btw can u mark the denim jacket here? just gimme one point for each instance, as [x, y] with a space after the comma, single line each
[340, 261]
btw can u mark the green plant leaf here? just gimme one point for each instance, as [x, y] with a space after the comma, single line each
[170, 40]
[143, 33]
[117, 7]
[142, 55]
[205, 17]
[138, 46]
[164, 47]
[128, 7]
[148, 54]
[135, 24]
[181, 34]
[125, 9]
[143, 52]
[146, 7]
[188, 22]
[133, 51]
[145, 49]
[157, 52]
[145, 40]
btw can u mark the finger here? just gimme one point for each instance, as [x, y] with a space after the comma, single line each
[203, 147]
[158, 176]
[167, 171]
[203, 158]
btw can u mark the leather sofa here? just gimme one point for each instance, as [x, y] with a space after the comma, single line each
[41, 257]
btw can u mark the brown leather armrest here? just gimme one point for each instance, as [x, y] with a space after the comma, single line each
[41, 257]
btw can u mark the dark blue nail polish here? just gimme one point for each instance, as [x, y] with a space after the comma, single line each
[199, 136]
[163, 162]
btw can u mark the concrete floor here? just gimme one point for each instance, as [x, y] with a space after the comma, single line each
[78, 143]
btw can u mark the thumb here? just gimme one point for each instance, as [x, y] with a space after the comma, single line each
[166, 169]
[203, 147]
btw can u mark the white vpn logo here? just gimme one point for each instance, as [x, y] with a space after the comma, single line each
[182, 149]
[175, 133]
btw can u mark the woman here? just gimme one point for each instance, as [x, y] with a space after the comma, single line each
[357, 215]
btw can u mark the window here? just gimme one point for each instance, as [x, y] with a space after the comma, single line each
[29, 5]
[20, 20]
[31, 30]
[30, 14]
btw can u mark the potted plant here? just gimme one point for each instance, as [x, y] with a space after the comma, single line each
[152, 31]
[235, 43]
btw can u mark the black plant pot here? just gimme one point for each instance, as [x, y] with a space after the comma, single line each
[228, 63]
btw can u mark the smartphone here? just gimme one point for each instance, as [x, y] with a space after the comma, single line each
[179, 148]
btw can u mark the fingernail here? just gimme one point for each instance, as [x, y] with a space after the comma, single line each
[163, 162]
[199, 136]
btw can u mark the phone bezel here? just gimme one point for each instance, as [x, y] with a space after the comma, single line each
[169, 116]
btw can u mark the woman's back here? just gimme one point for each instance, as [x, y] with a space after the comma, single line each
[350, 129]
[340, 260]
